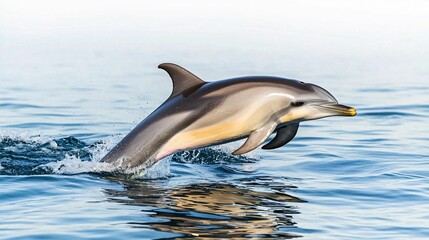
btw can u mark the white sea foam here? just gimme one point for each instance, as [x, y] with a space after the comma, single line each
[161, 169]
[74, 165]
[1, 167]
[24, 136]
[101, 149]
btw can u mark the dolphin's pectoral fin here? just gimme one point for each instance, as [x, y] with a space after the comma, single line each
[256, 138]
[284, 135]
[182, 78]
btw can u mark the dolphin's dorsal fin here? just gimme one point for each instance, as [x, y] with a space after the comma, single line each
[182, 78]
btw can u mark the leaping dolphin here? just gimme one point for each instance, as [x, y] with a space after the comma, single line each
[200, 114]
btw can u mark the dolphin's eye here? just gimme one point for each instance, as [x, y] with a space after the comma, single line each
[297, 104]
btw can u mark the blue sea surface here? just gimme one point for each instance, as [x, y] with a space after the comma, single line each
[73, 82]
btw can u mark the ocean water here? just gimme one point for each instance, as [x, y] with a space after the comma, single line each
[76, 77]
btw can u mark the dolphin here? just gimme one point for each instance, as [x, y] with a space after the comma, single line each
[199, 114]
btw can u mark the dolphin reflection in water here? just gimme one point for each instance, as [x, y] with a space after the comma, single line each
[200, 114]
[214, 210]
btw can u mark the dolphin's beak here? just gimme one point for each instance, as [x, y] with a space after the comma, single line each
[338, 109]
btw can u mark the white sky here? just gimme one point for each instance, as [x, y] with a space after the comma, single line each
[365, 32]
[350, 18]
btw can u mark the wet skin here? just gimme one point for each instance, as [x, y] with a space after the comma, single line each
[200, 114]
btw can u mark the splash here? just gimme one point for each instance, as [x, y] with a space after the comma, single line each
[220, 154]
[74, 165]
[22, 137]
[23, 154]
[159, 170]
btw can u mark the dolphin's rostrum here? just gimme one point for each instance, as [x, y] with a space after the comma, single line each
[199, 114]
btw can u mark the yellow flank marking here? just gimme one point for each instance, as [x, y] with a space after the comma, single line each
[288, 117]
[203, 136]
[295, 114]
[208, 135]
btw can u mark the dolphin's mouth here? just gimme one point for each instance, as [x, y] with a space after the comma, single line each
[339, 109]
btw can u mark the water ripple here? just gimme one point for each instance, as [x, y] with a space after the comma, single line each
[16, 106]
